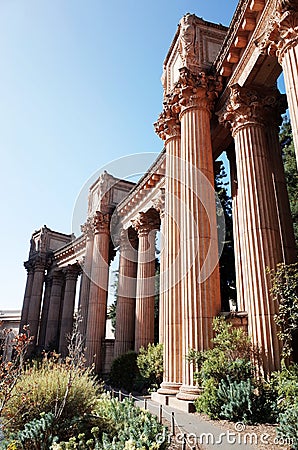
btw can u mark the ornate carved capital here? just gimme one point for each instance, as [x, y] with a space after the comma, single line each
[29, 266]
[247, 106]
[57, 277]
[128, 239]
[281, 31]
[168, 123]
[72, 272]
[101, 223]
[87, 228]
[146, 222]
[198, 91]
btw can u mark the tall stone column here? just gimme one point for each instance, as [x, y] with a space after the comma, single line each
[66, 323]
[126, 295]
[237, 225]
[35, 301]
[259, 234]
[168, 129]
[30, 275]
[52, 331]
[45, 312]
[146, 226]
[96, 325]
[86, 276]
[280, 190]
[281, 40]
[200, 282]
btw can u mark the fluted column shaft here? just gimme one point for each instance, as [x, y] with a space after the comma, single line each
[281, 195]
[30, 275]
[126, 296]
[145, 291]
[66, 323]
[249, 112]
[52, 331]
[97, 310]
[35, 302]
[86, 278]
[200, 282]
[45, 312]
[168, 128]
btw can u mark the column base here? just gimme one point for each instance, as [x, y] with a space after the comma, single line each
[168, 388]
[189, 393]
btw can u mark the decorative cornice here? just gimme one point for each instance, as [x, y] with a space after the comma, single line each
[282, 30]
[255, 105]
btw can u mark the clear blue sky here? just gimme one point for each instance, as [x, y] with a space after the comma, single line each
[79, 87]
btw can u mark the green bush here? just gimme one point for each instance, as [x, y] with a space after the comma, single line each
[208, 402]
[150, 364]
[132, 428]
[288, 425]
[51, 387]
[124, 371]
[285, 383]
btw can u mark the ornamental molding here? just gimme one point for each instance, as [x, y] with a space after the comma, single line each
[146, 222]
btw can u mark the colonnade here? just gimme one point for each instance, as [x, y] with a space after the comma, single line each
[49, 303]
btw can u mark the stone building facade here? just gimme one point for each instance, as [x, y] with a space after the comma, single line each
[220, 94]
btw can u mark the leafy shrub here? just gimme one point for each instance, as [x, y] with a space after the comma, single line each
[124, 371]
[288, 425]
[150, 364]
[208, 402]
[52, 387]
[132, 428]
[285, 383]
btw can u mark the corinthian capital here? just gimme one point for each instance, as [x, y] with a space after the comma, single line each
[251, 106]
[146, 222]
[87, 228]
[101, 223]
[168, 123]
[197, 90]
[281, 31]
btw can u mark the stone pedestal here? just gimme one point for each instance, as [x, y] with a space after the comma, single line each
[146, 226]
[259, 232]
[52, 331]
[97, 309]
[66, 324]
[200, 282]
[126, 295]
[35, 301]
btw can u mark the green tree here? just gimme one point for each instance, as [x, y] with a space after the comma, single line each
[290, 166]
[227, 260]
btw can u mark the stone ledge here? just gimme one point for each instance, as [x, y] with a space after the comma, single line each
[171, 400]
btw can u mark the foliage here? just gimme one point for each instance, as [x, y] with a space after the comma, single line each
[131, 428]
[37, 434]
[227, 260]
[150, 364]
[290, 166]
[285, 292]
[124, 371]
[285, 384]
[10, 371]
[288, 425]
[226, 375]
